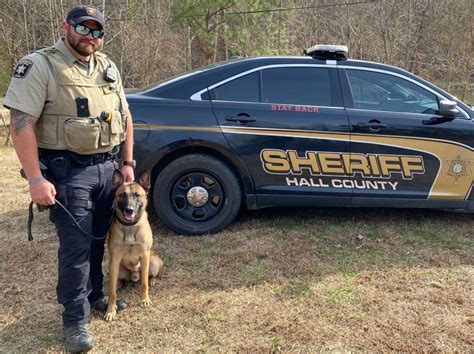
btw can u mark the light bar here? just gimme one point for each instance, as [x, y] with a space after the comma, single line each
[327, 52]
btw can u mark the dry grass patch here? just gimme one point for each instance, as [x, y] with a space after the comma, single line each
[276, 280]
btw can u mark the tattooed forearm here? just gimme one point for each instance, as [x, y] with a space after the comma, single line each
[20, 120]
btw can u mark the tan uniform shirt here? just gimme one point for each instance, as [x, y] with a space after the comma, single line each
[33, 82]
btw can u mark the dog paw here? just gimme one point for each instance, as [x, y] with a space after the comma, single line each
[110, 315]
[152, 281]
[146, 302]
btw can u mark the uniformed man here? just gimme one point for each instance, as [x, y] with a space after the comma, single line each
[68, 110]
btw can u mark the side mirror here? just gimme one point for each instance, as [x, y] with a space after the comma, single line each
[448, 108]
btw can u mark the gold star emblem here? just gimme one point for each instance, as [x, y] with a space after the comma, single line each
[90, 10]
[457, 168]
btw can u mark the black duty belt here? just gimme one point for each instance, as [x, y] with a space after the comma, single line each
[78, 159]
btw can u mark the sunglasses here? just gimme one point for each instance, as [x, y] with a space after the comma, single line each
[84, 31]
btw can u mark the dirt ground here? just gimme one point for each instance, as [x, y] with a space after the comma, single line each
[289, 280]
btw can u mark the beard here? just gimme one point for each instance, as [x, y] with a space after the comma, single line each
[82, 45]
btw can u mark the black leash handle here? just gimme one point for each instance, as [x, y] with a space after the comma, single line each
[30, 220]
[79, 227]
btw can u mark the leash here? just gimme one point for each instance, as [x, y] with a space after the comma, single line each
[79, 227]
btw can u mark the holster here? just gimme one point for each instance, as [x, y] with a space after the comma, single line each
[59, 166]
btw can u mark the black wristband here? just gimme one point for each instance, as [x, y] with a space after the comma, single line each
[132, 163]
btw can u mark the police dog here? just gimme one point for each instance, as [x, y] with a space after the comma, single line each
[130, 240]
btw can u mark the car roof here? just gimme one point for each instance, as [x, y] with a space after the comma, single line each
[185, 85]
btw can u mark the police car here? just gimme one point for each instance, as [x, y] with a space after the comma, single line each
[312, 130]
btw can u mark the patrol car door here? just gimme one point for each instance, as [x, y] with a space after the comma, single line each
[403, 153]
[287, 124]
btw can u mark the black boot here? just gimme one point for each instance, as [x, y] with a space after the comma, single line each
[78, 338]
[102, 303]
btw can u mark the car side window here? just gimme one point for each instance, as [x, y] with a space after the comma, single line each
[384, 92]
[241, 89]
[297, 85]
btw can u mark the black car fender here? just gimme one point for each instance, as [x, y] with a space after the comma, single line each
[471, 200]
[157, 161]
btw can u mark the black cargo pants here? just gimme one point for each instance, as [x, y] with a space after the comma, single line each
[80, 257]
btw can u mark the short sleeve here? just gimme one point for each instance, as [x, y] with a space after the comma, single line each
[120, 88]
[28, 89]
[123, 98]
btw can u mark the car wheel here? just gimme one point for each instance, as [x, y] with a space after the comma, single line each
[196, 194]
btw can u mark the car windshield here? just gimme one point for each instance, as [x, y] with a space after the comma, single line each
[180, 76]
[468, 99]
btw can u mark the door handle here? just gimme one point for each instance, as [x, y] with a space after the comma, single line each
[372, 125]
[241, 118]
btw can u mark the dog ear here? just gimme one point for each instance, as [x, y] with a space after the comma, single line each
[117, 179]
[144, 179]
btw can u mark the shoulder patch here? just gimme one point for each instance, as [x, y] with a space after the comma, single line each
[22, 68]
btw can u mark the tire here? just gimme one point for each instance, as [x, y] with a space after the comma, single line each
[202, 175]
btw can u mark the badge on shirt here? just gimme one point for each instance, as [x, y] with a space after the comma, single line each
[22, 68]
[110, 75]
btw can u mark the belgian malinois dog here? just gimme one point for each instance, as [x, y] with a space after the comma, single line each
[130, 240]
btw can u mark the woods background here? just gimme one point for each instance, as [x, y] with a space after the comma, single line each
[150, 40]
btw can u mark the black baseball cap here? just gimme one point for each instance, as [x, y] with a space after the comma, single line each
[81, 13]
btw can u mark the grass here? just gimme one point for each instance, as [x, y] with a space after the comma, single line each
[282, 279]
